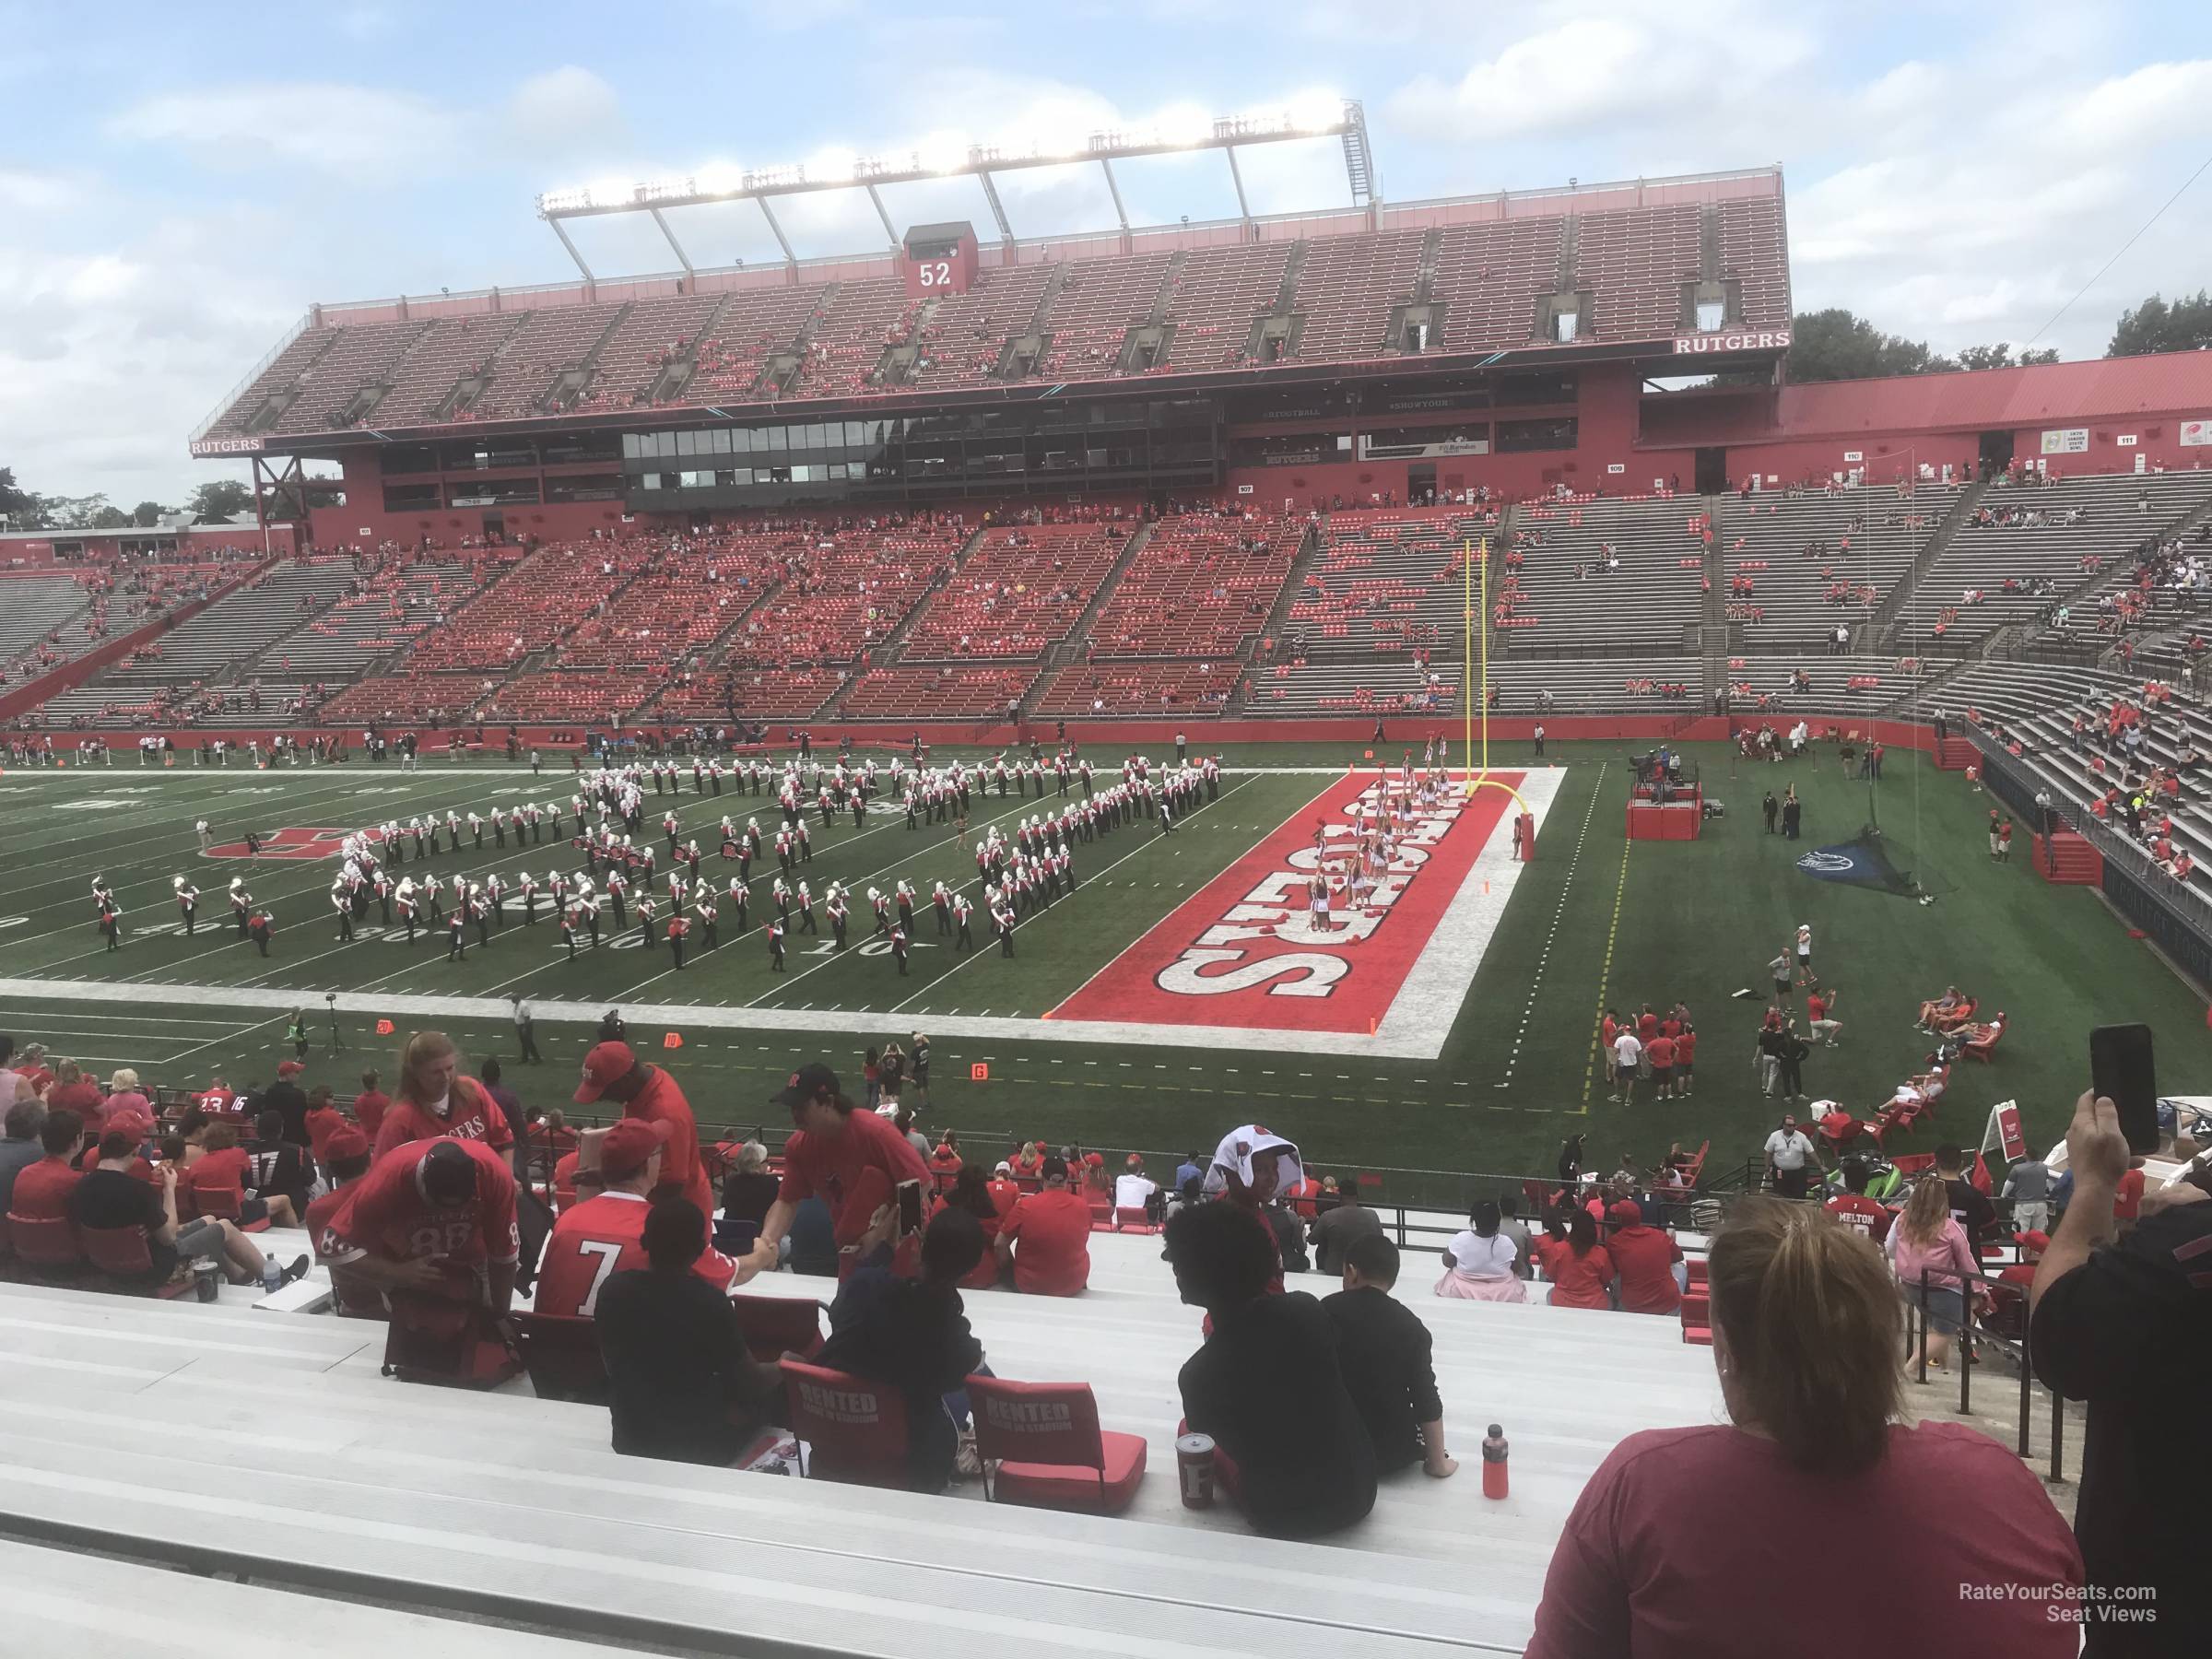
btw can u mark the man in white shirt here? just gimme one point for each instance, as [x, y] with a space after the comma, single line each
[1132, 1189]
[1789, 1151]
[1627, 1052]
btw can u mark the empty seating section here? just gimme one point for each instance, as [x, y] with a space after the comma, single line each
[850, 329]
[1965, 595]
[1199, 586]
[1489, 277]
[1346, 289]
[1656, 591]
[425, 378]
[1342, 686]
[31, 608]
[529, 608]
[555, 338]
[963, 335]
[848, 592]
[1751, 251]
[238, 626]
[363, 355]
[559, 696]
[1091, 314]
[1822, 559]
[283, 372]
[691, 593]
[1839, 684]
[650, 332]
[1105, 688]
[1213, 297]
[405, 699]
[1636, 263]
[757, 322]
[770, 693]
[1021, 590]
[944, 691]
[385, 610]
[1386, 580]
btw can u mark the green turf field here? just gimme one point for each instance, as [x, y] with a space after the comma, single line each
[1596, 920]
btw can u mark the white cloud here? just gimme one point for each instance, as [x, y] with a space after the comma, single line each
[357, 133]
[1584, 70]
[565, 111]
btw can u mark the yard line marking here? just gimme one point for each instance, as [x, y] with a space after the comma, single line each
[1604, 979]
[1566, 887]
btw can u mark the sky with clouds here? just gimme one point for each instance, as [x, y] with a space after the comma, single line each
[177, 184]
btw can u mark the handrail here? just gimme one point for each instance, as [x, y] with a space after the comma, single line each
[1969, 1332]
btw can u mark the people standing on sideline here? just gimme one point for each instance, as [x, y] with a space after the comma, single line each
[1539, 737]
[1768, 808]
[1792, 811]
[1821, 1013]
[526, 1030]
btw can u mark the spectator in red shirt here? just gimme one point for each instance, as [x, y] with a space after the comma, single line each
[1005, 1192]
[344, 1159]
[224, 1168]
[73, 1091]
[972, 1192]
[1643, 1261]
[1028, 1158]
[42, 1189]
[1685, 1056]
[436, 1101]
[433, 1217]
[1805, 1338]
[1660, 1050]
[370, 1106]
[1647, 1024]
[855, 1163]
[2127, 1197]
[1853, 1208]
[323, 1119]
[1577, 1266]
[1052, 1228]
[945, 1160]
[125, 1095]
[606, 1233]
[613, 1071]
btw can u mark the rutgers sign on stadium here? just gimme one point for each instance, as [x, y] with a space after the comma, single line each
[1740, 339]
[1245, 959]
[293, 842]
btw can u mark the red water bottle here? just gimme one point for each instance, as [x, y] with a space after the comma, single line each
[1493, 1463]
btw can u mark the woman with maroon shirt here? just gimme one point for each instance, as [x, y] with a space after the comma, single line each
[1969, 1555]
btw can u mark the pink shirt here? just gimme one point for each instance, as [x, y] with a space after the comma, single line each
[1946, 1260]
[1947, 1506]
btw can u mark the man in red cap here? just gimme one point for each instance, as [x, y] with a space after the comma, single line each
[603, 1235]
[612, 1071]
[435, 1217]
[1643, 1259]
[855, 1161]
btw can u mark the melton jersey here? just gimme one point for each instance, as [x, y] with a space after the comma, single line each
[471, 1115]
[597, 1239]
[387, 1215]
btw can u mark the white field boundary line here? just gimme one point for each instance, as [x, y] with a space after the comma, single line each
[1437, 982]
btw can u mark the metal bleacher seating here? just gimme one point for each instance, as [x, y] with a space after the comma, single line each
[1346, 289]
[497, 1509]
[1213, 299]
[942, 691]
[30, 608]
[1199, 587]
[1197, 688]
[1018, 590]
[963, 335]
[1090, 316]
[1645, 604]
[849, 590]
[1822, 559]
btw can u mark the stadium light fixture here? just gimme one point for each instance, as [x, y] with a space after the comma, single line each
[1180, 128]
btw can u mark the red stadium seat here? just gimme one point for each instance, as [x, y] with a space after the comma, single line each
[1132, 1218]
[124, 1252]
[223, 1204]
[45, 1242]
[776, 1326]
[1050, 1450]
[855, 1427]
[562, 1357]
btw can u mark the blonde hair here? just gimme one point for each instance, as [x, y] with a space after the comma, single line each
[124, 1078]
[421, 1049]
[1809, 1314]
[67, 1071]
[1926, 1210]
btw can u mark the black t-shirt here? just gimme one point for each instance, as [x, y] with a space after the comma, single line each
[2130, 1332]
[1268, 1388]
[1385, 1353]
[108, 1199]
[676, 1356]
[1972, 1211]
[747, 1194]
[277, 1167]
[286, 1097]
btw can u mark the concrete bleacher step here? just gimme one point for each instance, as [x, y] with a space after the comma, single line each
[2069, 860]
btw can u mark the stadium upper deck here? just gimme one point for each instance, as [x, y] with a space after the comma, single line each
[1663, 268]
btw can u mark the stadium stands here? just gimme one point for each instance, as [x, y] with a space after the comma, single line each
[1347, 287]
[1199, 586]
[534, 605]
[440, 699]
[850, 590]
[1018, 590]
[1386, 580]
[1601, 576]
[942, 692]
[1090, 318]
[962, 335]
[1213, 296]
[1199, 688]
[47, 611]
[1821, 559]
[594, 699]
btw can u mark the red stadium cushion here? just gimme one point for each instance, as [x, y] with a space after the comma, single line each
[1050, 1451]
[42, 1241]
[562, 1356]
[776, 1326]
[855, 1426]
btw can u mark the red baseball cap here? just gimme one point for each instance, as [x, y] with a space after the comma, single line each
[629, 1144]
[1622, 1213]
[602, 1066]
[289, 1068]
[2032, 1240]
[347, 1143]
[130, 1122]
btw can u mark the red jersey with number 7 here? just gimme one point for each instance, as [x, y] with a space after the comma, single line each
[387, 1215]
[597, 1239]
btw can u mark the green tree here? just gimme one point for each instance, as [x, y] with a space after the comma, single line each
[1836, 344]
[18, 506]
[219, 498]
[2000, 356]
[2154, 325]
[109, 518]
[147, 514]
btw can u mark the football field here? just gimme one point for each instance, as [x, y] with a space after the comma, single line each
[1178, 990]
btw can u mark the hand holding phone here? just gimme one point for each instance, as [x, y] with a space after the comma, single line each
[2121, 1071]
[909, 1208]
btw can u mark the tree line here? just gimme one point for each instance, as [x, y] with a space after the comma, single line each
[1837, 344]
[213, 502]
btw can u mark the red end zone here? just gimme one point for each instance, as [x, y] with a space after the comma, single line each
[1242, 952]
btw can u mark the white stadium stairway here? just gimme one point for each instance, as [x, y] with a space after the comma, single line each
[500, 1502]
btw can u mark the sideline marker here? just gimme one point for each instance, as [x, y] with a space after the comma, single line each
[383, 1028]
[979, 1072]
[674, 1040]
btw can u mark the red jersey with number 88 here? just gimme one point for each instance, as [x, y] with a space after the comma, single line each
[387, 1216]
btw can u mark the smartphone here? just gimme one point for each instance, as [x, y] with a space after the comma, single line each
[909, 1208]
[2121, 1071]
